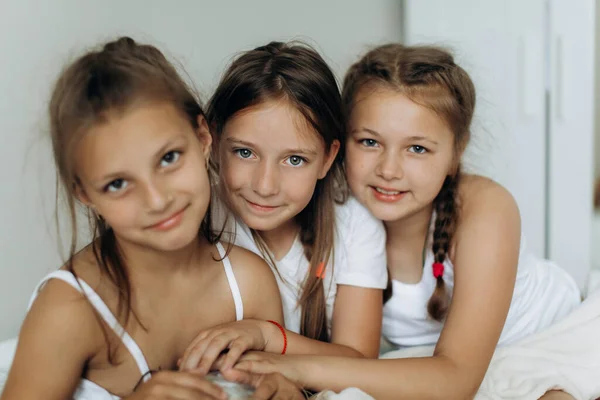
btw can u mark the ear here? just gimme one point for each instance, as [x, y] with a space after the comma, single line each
[81, 195]
[204, 135]
[330, 158]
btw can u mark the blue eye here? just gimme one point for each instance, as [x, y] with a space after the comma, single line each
[116, 185]
[369, 142]
[295, 161]
[417, 149]
[170, 158]
[243, 153]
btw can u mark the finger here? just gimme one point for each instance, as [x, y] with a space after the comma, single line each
[197, 352]
[200, 387]
[235, 375]
[192, 347]
[265, 389]
[275, 386]
[212, 351]
[236, 349]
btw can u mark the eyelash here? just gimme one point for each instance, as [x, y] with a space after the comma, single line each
[107, 189]
[238, 151]
[412, 149]
[364, 142]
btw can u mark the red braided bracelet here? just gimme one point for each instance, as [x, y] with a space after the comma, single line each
[282, 329]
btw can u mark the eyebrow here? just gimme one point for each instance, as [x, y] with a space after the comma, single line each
[410, 138]
[287, 151]
[157, 155]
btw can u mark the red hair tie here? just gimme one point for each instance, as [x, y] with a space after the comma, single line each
[438, 269]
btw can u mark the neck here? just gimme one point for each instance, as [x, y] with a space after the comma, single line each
[410, 231]
[280, 240]
[145, 261]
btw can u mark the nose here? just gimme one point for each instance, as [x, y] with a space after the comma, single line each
[390, 166]
[157, 196]
[266, 180]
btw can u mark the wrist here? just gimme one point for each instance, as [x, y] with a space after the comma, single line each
[275, 337]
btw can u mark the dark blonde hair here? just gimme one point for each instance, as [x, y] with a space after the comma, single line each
[88, 92]
[429, 77]
[298, 74]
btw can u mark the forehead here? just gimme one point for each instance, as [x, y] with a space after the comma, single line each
[392, 113]
[127, 138]
[273, 124]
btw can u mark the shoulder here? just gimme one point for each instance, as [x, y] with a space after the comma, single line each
[352, 218]
[360, 253]
[61, 315]
[247, 264]
[257, 284]
[482, 197]
[488, 212]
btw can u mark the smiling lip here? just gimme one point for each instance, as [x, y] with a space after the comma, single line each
[261, 208]
[386, 195]
[170, 222]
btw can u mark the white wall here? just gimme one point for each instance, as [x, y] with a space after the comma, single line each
[38, 37]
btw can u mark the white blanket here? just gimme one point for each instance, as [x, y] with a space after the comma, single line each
[565, 357]
[7, 352]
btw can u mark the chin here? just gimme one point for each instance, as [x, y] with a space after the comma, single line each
[260, 224]
[386, 213]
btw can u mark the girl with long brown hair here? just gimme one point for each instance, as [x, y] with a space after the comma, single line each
[276, 119]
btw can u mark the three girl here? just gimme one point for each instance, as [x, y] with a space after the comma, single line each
[277, 122]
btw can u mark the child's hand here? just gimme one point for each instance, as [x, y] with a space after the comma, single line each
[258, 362]
[236, 337]
[174, 385]
[268, 386]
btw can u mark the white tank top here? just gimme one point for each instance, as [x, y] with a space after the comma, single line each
[543, 294]
[88, 390]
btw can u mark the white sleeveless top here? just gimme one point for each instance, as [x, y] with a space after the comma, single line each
[88, 390]
[543, 294]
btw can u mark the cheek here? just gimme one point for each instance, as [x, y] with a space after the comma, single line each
[427, 178]
[120, 214]
[358, 164]
[234, 175]
[300, 185]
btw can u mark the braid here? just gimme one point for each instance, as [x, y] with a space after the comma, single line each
[446, 208]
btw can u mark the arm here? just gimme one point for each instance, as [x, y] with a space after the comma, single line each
[59, 335]
[486, 256]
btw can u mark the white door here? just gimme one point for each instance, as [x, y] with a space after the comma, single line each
[571, 112]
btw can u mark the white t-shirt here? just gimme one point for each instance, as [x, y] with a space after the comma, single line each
[359, 259]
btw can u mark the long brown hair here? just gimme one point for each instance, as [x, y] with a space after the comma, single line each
[97, 84]
[428, 76]
[296, 73]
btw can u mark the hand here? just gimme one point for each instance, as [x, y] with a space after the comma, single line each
[174, 385]
[238, 337]
[258, 362]
[268, 386]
